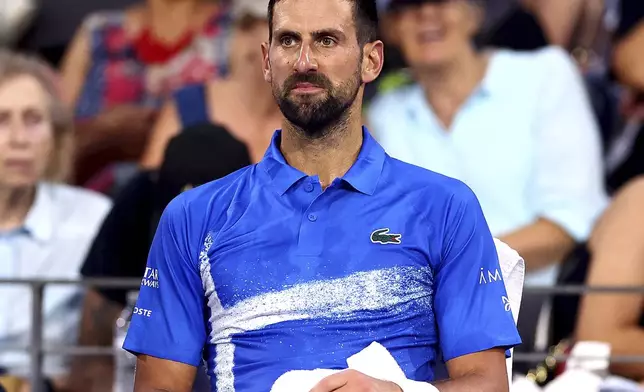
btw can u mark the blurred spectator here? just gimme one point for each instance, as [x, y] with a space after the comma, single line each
[45, 227]
[242, 102]
[122, 65]
[55, 22]
[507, 24]
[195, 156]
[625, 159]
[617, 249]
[517, 127]
[571, 24]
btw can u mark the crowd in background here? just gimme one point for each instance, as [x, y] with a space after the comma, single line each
[537, 105]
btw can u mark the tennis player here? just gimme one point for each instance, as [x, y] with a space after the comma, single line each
[323, 247]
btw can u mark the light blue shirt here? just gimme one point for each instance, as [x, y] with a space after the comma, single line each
[525, 141]
[51, 244]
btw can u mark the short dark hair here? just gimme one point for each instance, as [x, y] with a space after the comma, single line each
[365, 16]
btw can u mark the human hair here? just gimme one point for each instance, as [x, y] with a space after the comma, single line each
[365, 17]
[13, 65]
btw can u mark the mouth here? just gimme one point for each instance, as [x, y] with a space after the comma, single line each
[18, 164]
[306, 88]
[430, 35]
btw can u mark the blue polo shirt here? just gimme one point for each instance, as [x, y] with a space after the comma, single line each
[263, 272]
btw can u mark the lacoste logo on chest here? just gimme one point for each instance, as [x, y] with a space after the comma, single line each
[382, 236]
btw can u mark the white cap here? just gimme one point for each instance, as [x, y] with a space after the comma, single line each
[254, 8]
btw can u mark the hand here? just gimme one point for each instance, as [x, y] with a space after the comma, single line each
[354, 381]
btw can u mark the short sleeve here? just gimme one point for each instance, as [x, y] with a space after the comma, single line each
[472, 308]
[569, 184]
[168, 320]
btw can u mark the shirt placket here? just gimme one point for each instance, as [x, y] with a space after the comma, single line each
[313, 219]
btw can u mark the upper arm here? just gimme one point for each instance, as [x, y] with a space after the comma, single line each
[166, 127]
[568, 187]
[154, 374]
[75, 65]
[472, 309]
[168, 320]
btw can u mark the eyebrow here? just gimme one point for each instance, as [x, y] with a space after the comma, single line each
[315, 34]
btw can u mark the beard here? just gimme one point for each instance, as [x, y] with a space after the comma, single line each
[315, 115]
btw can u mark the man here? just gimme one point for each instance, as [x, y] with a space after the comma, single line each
[323, 247]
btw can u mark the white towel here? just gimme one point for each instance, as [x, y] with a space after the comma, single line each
[513, 272]
[374, 361]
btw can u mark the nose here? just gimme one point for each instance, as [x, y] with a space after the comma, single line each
[428, 10]
[18, 135]
[306, 62]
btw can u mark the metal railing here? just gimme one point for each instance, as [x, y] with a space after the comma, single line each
[37, 350]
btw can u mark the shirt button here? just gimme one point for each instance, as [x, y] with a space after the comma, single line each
[313, 217]
[308, 187]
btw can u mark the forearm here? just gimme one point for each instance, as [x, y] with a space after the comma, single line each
[473, 383]
[95, 373]
[541, 243]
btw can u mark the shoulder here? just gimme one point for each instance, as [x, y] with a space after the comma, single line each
[432, 187]
[392, 108]
[535, 65]
[78, 204]
[211, 200]
[393, 98]
[102, 19]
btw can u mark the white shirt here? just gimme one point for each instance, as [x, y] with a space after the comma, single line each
[525, 141]
[52, 244]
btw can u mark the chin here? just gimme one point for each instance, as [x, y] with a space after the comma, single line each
[18, 181]
[431, 61]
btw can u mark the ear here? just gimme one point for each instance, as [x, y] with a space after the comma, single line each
[373, 58]
[266, 62]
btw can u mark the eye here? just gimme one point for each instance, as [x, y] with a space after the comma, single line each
[33, 117]
[327, 41]
[287, 41]
[5, 118]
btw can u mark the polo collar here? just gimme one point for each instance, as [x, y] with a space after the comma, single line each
[363, 175]
[39, 221]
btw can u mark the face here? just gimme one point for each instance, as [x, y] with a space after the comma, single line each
[249, 35]
[26, 134]
[314, 63]
[435, 33]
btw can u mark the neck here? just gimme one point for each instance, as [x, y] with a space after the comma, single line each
[170, 18]
[14, 206]
[178, 9]
[328, 157]
[454, 82]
